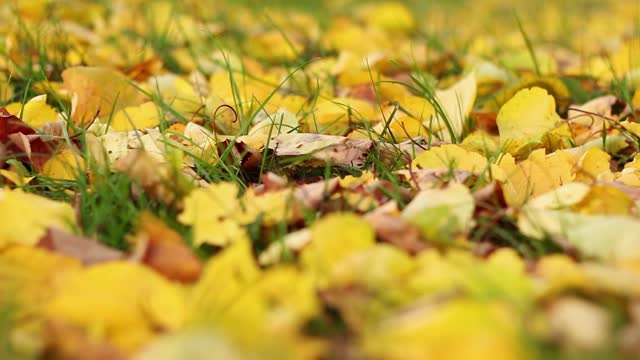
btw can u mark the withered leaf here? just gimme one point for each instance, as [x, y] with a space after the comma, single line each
[165, 250]
[337, 150]
[89, 251]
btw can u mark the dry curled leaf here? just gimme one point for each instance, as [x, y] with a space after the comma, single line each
[337, 150]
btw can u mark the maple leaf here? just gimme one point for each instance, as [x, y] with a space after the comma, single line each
[214, 212]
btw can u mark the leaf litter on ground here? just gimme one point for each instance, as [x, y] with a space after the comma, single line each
[319, 180]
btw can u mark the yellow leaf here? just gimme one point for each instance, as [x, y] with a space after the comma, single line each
[201, 142]
[481, 142]
[525, 119]
[335, 238]
[6, 91]
[176, 92]
[28, 275]
[560, 272]
[226, 277]
[26, 217]
[594, 165]
[377, 268]
[605, 237]
[66, 165]
[36, 112]
[456, 102]
[214, 212]
[558, 138]
[192, 344]
[418, 107]
[451, 156]
[97, 91]
[553, 85]
[135, 117]
[121, 302]
[334, 116]
[605, 200]
[344, 35]
[15, 178]
[536, 175]
[274, 46]
[275, 206]
[402, 127]
[635, 101]
[390, 16]
[486, 329]
[442, 213]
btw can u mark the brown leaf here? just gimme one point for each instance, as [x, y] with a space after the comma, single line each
[409, 148]
[427, 178]
[87, 250]
[485, 121]
[337, 150]
[165, 251]
[366, 92]
[311, 195]
[396, 231]
[144, 69]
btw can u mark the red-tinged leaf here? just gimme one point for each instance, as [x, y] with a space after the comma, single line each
[11, 124]
[21, 142]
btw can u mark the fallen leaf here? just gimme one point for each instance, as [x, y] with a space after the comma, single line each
[66, 165]
[70, 342]
[579, 323]
[165, 250]
[453, 158]
[329, 243]
[135, 117]
[97, 92]
[35, 112]
[161, 179]
[30, 216]
[88, 251]
[455, 104]
[525, 119]
[536, 175]
[119, 302]
[213, 213]
[336, 150]
[440, 214]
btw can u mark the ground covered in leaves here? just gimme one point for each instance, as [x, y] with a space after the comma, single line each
[334, 180]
